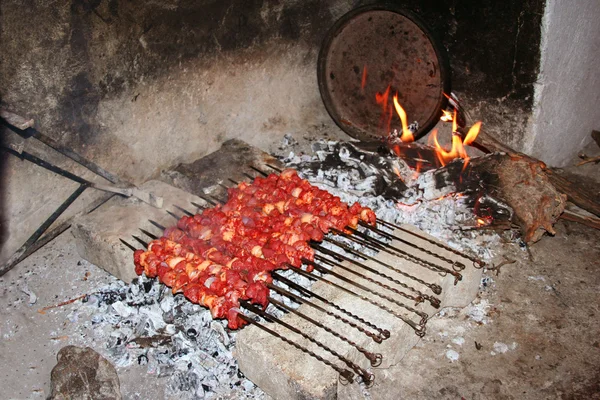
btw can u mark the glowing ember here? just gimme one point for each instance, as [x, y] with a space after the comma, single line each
[446, 116]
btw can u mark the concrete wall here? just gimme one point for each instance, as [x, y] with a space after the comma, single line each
[567, 95]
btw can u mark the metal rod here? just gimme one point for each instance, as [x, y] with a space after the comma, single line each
[419, 330]
[172, 214]
[361, 265]
[183, 210]
[232, 181]
[249, 176]
[443, 246]
[344, 373]
[302, 300]
[273, 167]
[198, 205]
[156, 224]
[369, 279]
[324, 270]
[259, 171]
[374, 359]
[139, 240]
[44, 164]
[223, 186]
[128, 245]
[383, 332]
[437, 289]
[207, 200]
[366, 376]
[388, 249]
[32, 132]
[150, 235]
[14, 259]
[456, 265]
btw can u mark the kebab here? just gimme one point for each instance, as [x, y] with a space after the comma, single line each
[226, 253]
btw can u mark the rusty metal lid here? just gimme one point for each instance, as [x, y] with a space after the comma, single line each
[371, 48]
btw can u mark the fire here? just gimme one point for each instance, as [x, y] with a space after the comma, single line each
[364, 78]
[447, 116]
[407, 135]
[458, 145]
[386, 112]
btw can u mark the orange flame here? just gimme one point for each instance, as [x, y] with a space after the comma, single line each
[364, 78]
[386, 115]
[407, 135]
[458, 146]
[447, 116]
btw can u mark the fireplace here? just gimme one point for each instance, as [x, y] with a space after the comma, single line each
[180, 102]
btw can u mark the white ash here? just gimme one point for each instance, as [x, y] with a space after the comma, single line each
[144, 323]
[409, 199]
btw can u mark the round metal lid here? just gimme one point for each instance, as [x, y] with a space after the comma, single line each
[371, 48]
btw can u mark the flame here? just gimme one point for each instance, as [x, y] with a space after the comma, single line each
[481, 221]
[458, 145]
[447, 116]
[386, 110]
[407, 135]
[364, 78]
[397, 172]
[472, 134]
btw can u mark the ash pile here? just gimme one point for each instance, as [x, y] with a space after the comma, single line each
[397, 193]
[143, 323]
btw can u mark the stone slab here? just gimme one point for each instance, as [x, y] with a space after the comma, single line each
[97, 234]
[285, 372]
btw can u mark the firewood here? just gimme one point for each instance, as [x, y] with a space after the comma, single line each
[574, 192]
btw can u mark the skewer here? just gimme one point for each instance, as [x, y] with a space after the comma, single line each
[437, 289]
[384, 333]
[388, 249]
[434, 301]
[273, 167]
[456, 265]
[156, 224]
[366, 376]
[322, 259]
[248, 176]
[128, 245]
[198, 206]
[259, 171]
[150, 235]
[183, 210]
[348, 376]
[206, 199]
[374, 359]
[419, 329]
[443, 246]
[302, 300]
[140, 241]
[324, 270]
[172, 214]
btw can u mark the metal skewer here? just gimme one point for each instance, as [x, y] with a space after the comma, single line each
[434, 301]
[302, 300]
[366, 376]
[419, 329]
[348, 376]
[456, 265]
[384, 333]
[437, 289]
[324, 270]
[374, 359]
[443, 246]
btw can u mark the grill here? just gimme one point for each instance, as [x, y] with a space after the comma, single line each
[366, 264]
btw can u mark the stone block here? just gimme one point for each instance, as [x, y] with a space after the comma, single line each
[285, 372]
[97, 234]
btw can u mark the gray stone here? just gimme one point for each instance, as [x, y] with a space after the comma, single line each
[98, 234]
[285, 372]
[83, 374]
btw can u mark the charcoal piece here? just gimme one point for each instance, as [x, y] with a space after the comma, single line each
[81, 373]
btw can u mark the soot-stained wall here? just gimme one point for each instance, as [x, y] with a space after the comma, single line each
[117, 80]
[138, 86]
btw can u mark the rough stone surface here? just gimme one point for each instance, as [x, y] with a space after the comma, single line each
[285, 372]
[83, 374]
[98, 234]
